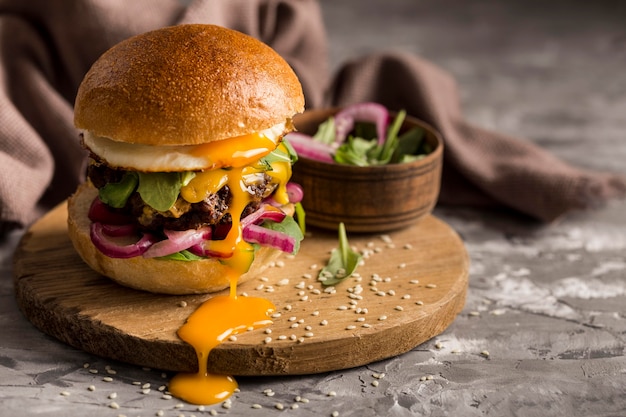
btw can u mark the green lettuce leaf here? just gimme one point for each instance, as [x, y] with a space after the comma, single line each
[160, 190]
[116, 194]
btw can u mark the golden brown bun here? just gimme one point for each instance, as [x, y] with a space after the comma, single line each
[186, 85]
[154, 275]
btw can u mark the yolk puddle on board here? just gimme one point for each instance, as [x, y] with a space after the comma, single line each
[215, 320]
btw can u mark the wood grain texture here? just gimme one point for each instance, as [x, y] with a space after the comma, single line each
[412, 285]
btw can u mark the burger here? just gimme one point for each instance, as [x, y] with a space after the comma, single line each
[187, 187]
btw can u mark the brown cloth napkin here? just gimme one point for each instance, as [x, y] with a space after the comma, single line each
[47, 47]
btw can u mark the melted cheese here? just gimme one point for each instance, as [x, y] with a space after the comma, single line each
[237, 151]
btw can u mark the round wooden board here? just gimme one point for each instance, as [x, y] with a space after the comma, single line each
[413, 284]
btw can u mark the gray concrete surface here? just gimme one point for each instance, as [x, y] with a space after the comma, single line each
[548, 303]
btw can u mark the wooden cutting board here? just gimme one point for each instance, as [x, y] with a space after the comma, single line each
[413, 284]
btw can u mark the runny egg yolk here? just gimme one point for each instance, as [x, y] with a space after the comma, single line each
[222, 316]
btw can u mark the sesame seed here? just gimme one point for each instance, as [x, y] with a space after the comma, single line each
[160, 413]
[323, 322]
[294, 325]
[335, 414]
[383, 317]
[474, 313]
[367, 326]
[429, 377]
[374, 383]
[146, 385]
[304, 298]
[279, 406]
[93, 371]
[316, 291]
[232, 338]
[111, 372]
[399, 308]
[332, 394]
[276, 315]
[166, 397]
[162, 388]
[381, 293]
[179, 406]
[301, 285]
[264, 279]
[485, 353]
[145, 391]
[283, 282]
[114, 405]
[213, 412]
[259, 287]
[419, 303]
[292, 318]
[360, 319]
[257, 406]
[182, 304]
[294, 406]
[431, 285]
[438, 345]
[387, 279]
[65, 393]
[308, 328]
[268, 331]
[136, 383]
[330, 290]
[226, 405]
[402, 265]
[267, 340]
[350, 327]
[414, 281]
[280, 264]
[107, 379]
[315, 313]
[91, 388]
[282, 337]
[406, 296]
[304, 400]
[288, 307]
[113, 395]
[293, 337]
[307, 276]
[391, 292]
[308, 334]
[342, 308]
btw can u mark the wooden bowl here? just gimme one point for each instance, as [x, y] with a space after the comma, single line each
[368, 199]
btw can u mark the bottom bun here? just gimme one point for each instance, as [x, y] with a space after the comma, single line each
[150, 274]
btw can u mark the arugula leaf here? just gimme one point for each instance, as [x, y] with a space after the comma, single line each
[287, 226]
[300, 216]
[159, 190]
[409, 145]
[342, 263]
[117, 194]
[355, 151]
[183, 255]
[326, 131]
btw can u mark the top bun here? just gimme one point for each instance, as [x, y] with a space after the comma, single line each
[186, 85]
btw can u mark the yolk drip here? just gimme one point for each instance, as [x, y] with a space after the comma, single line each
[226, 315]
[214, 321]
